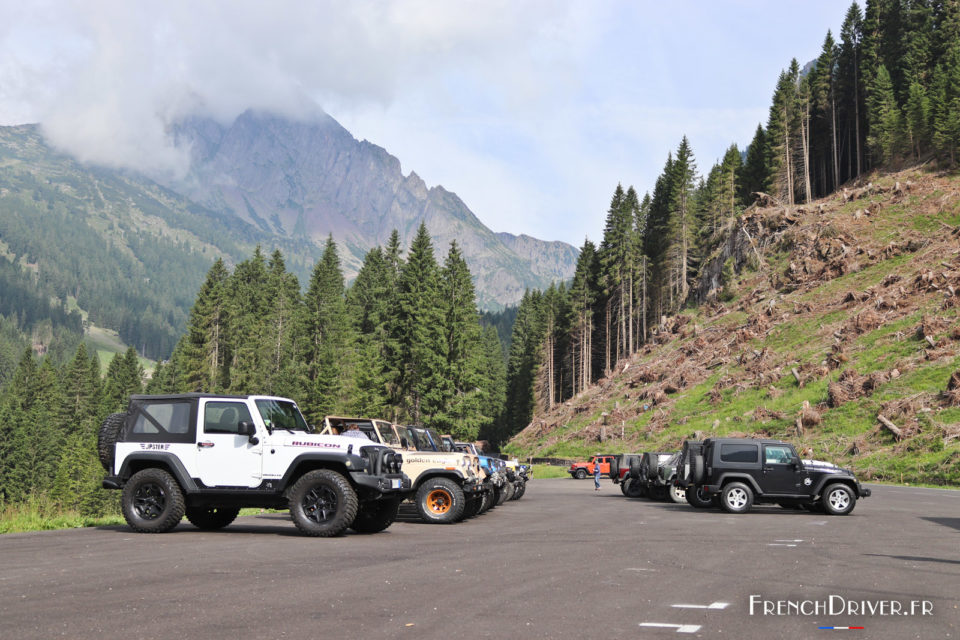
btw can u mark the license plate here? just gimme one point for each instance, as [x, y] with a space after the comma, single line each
[396, 484]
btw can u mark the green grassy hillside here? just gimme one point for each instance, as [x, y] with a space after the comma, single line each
[846, 311]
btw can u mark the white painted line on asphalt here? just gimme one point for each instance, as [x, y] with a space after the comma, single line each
[818, 522]
[788, 540]
[712, 605]
[639, 569]
[678, 628]
[779, 544]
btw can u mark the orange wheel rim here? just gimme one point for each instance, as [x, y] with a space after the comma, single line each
[439, 501]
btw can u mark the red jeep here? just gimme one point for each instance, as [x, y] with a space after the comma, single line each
[581, 470]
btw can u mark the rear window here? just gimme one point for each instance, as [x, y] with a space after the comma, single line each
[169, 421]
[738, 453]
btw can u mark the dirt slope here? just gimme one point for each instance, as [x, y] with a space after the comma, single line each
[841, 311]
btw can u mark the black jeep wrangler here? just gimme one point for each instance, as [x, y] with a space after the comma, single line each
[736, 473]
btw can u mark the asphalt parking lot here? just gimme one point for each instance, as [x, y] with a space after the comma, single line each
[563, 562]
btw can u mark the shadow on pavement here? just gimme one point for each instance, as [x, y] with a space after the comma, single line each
[953, 523]
[914, 558]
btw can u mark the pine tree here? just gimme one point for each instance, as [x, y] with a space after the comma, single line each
[124, 378]
[583, 295]
[756, 171]
[616, 266]
[945, 106]
[681, 222]
[328, 336]
[886, 126]
[417, 347]
[206, 351]
[285, 340]
[371, 302]
[850, 87]
[247, 326]
[918, 118]
[494, 395]
[460, 412]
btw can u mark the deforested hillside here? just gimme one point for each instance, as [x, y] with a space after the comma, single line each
[832, 324]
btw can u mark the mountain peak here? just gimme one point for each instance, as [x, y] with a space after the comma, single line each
[310, 178]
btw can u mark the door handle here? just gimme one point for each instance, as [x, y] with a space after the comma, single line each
[205, 445]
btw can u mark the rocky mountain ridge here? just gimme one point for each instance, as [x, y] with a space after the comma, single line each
[309, 179]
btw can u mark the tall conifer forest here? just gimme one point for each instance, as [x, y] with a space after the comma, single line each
[883, 93]
[405, 340]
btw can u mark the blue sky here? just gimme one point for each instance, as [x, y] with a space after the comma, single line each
[531, 111]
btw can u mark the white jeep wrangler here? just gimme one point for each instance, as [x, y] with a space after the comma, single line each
[206, 456]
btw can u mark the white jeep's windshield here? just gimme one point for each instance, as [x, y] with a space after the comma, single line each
[280, 414]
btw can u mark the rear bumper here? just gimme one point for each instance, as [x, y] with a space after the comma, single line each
[112, 482]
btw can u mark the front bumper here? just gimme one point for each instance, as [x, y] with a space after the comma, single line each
[390, 483]
[472, 487]
[864, 492]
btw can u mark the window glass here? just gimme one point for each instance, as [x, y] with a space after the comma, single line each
[167, 417]
[279, 414]
[224, 417]
[387, 434]
[777, 455]
[738, 453]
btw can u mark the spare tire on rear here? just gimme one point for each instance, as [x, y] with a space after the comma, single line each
[107, 438]
[697, 468]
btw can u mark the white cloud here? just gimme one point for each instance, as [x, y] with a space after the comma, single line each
[531, 111]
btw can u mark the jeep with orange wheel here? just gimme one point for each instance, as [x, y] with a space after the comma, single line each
[443, 482]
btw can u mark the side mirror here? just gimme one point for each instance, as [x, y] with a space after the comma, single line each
[248, 429]
[796, 464]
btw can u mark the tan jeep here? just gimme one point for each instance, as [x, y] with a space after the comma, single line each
[443, 482]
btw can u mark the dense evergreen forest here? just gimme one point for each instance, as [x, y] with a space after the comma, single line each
[405, 341]
[885, 93]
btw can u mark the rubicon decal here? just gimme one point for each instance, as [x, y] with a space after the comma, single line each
[321, 445]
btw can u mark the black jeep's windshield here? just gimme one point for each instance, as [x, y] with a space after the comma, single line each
[278, 414]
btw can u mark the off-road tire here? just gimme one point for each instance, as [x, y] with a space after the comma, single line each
[520, 490]
[322, 503]
[635, 489]
[211, 518]
[623, 486]
[696, 468]
[487, 501]
[695, 498]
[440, 501]
[152, 501]
[838, 499]
[472, 508]
[508, 490]
[677, 495]
[736, 497]
[580, 474]
[376, 515]
[107, 439]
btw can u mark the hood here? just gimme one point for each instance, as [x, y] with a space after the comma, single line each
[317, 442]
[821, 465]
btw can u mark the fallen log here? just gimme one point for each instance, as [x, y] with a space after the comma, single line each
[894, 429]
